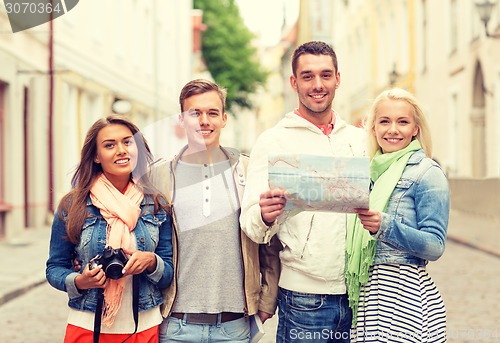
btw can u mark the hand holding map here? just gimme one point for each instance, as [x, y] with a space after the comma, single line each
[321, 183]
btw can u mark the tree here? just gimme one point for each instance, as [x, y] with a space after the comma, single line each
[228, 53]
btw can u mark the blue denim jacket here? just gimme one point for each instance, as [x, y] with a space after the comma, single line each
[413, 228]
[153, 233]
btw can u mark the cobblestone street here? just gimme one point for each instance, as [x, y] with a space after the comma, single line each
[469, 282]
[467, 278]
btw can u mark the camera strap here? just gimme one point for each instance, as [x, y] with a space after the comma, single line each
[100, 302]
[98, 314]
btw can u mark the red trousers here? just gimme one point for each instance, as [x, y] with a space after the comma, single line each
[75, 334]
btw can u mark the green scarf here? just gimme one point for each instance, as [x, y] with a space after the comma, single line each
[385, 172]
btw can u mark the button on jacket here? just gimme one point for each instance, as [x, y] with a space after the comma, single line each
[153, 233]
[414, 225]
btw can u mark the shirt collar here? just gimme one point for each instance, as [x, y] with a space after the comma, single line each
[326, 129]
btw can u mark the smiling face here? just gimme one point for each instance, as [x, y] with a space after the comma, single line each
[394, 126]
[117, 153]
[315, 84]
[203, 118]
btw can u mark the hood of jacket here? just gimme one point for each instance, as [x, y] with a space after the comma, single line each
[292, 120]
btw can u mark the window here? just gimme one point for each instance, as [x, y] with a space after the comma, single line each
[453, 143]
[3, 207]
[497, 121]
[476, 23]
[453, 26]
[2, 143]
[423, 47]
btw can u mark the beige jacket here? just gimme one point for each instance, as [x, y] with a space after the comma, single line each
[257, 259]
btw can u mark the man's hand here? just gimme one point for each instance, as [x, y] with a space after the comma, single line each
[264, 316]
[76, 265]
[272, 203]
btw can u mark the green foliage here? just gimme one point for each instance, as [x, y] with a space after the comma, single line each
[228, 53]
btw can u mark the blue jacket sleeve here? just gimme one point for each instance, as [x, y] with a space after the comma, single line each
[60, 262]
[432, 204]
[164, 272]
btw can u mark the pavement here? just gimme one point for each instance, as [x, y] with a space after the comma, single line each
[22, 266]
[476, 231]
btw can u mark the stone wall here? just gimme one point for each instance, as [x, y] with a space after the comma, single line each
[476, 196]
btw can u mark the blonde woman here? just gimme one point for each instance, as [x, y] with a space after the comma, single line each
[391, 243]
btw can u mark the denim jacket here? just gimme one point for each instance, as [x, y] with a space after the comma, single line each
[153, 233]
[413, 228]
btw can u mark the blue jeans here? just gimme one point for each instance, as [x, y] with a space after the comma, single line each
[178, 330]
[314, 318]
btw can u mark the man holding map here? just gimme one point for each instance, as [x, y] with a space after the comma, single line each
[312, 300]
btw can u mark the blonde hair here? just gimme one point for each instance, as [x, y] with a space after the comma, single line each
[423, 135]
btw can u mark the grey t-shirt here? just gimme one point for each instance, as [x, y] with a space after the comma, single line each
[210, 262]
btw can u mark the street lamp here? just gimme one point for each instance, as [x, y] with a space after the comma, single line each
[121, 106]
[484, 8]
[393, 75]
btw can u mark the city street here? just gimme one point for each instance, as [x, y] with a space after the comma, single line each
[277, 65]
[468, 280]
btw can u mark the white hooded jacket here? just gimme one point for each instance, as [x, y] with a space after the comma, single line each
[313, 255]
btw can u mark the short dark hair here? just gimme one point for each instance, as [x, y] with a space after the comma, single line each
[313, 48]
[200, 86]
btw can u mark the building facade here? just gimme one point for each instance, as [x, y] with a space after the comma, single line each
[438, 50]
[56, 79]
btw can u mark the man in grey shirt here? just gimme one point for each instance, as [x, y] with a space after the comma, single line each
[218, 269]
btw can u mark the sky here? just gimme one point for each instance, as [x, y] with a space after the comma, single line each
[265, 17]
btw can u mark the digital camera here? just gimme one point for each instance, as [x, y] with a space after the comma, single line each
[112, 261]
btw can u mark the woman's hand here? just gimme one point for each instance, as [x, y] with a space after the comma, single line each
[91, 278]
[139, 261]
[371, 219]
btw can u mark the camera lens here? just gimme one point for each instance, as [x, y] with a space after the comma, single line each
[114, 270]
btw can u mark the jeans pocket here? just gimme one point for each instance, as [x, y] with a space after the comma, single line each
[304, 302]
[236, 330]
[169, 327]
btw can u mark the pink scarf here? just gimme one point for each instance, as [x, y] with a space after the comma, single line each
[121, 212]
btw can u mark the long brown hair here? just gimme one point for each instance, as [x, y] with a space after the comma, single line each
[73, 206]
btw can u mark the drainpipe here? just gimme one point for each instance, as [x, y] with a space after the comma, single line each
[155, 62]
[51, 114]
